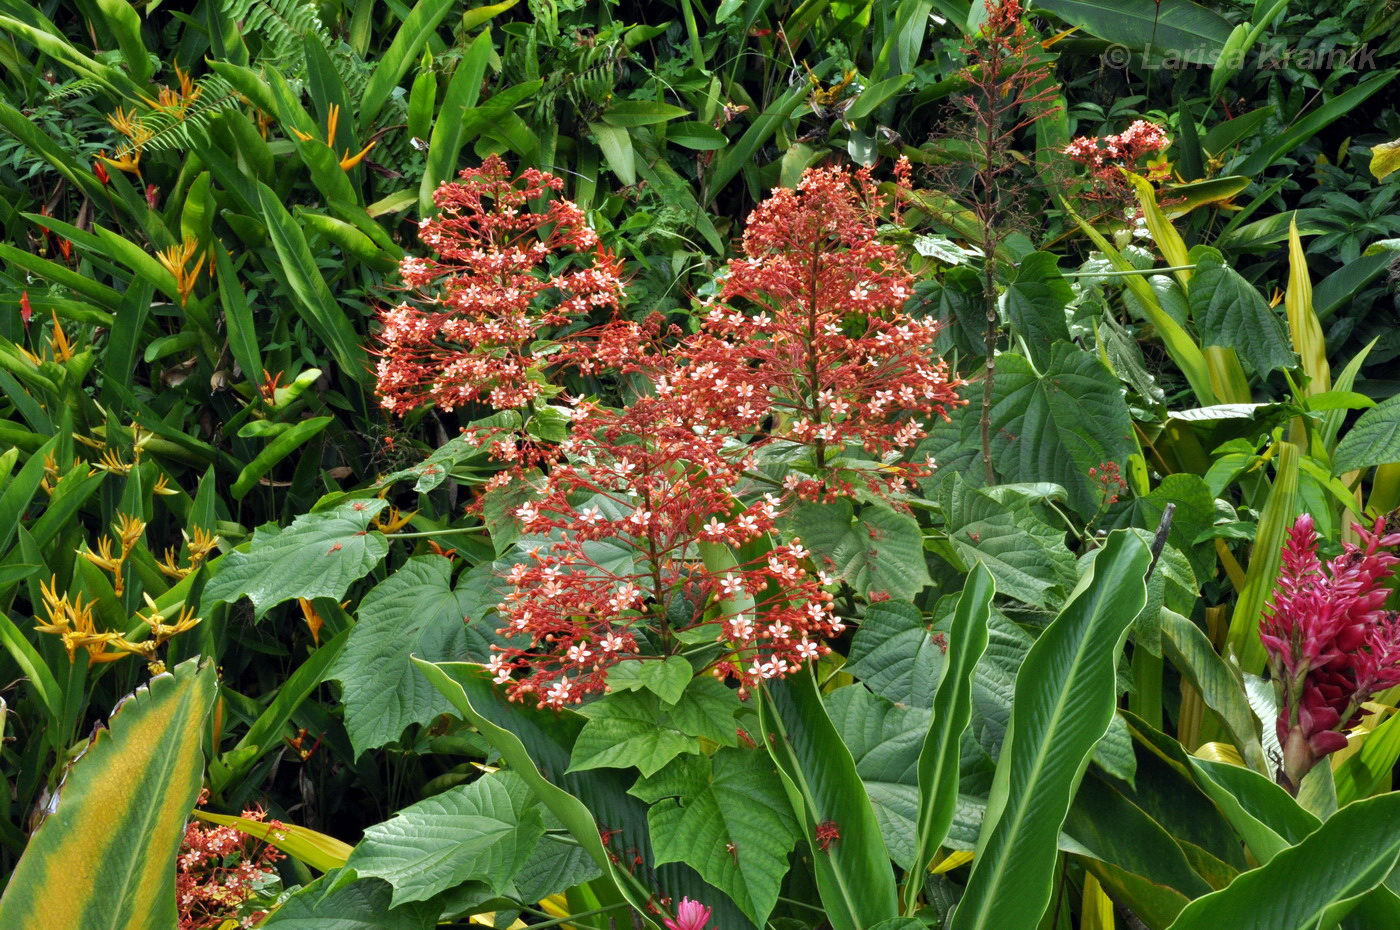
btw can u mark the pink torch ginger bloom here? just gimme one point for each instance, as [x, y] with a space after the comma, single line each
[1331, 644]
[690, 915]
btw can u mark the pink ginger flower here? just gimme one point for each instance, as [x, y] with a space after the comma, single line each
[1331, 643]
[690, 915]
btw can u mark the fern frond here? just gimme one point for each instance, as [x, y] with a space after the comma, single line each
[69, 90]
[159, 128]
[279, 25]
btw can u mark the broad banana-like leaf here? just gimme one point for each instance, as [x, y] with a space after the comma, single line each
[105, 859]
[853, 873]
[1280, 510]
[952, 710]
[1064, 701]
[1310, 884]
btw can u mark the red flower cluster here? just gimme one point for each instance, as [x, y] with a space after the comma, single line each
[638, 516]
[502, 274]
[1105, 155]
[218, 870]
[1331, 645]
[809, 342]
[1107, 477]
[620, 572]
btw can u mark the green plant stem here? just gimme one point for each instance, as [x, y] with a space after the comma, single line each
[425, 535]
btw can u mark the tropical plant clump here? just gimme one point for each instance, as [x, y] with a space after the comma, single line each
[675, 466]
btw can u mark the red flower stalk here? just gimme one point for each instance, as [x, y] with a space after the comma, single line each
[809, 342]
[1331, 644]
[620, 571]
[690, 915]
[26, 309]
[502, 273]
[218, 870]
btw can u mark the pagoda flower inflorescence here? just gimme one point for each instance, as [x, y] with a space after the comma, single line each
[647, 526]
[619, 572]
[501, 274]
[810, 334]
[220, 872]
[1331, 643]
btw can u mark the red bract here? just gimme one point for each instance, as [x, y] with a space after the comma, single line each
[620, 571]
[690, 915]
[1331, 644]
[809, 342]
[218, 870]
[501, 274]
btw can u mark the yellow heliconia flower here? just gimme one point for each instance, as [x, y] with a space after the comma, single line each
[71, 621]
[393, 520]
[111, 462]
[179, 101]
[128, 160]
[176, 260]
[58, 342]
[347, 161]
[132, 126]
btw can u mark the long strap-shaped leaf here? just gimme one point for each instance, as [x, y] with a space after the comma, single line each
[952, 710]
[852, 864]
[1064, 701]
[572, 812]
[1344, 858]
[105, 859]
[310, 294]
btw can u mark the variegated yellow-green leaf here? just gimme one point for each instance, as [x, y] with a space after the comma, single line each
[1303, 324]
[105, 859]
[1385, 158]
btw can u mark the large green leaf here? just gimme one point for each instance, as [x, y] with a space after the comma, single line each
[884, 738]
[1230, 312]
[726, 816]
[416, 611]
[1036, 297]
[1132, 854]
[409, 38]
[1301, 887]
[1219, 684]
[311, 295]
[1374, 440]
[1065, 696]
[319, 555]
[454, 680]
[1057, 424]
[1276, 145]
[330, 904]
[1025, 556]
[853, 873]
[477, 832]
[877, 550]
[939, 756]
[637, 728]
[893, 652]
[1175, 28]
[105, 858]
